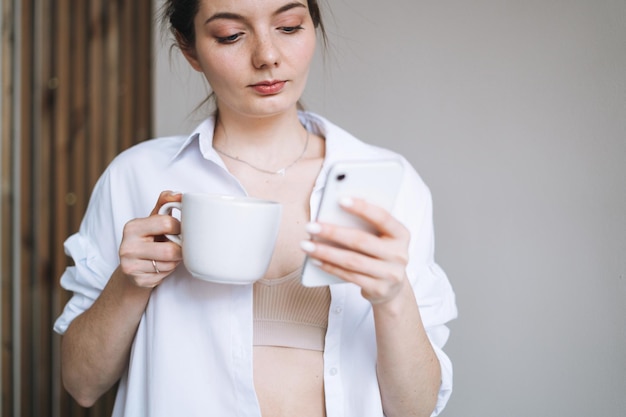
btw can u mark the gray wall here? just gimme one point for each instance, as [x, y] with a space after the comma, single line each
[514, 112]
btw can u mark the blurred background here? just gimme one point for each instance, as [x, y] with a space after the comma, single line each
[513, 112]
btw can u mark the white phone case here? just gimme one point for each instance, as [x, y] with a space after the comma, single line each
[376, 181]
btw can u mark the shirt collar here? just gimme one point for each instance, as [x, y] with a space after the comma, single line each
[339, 143]
[203, 136]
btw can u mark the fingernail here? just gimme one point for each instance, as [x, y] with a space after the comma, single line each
[307, 246]
[313, 228]
[176, 192]
[317, 262]
[346, 202]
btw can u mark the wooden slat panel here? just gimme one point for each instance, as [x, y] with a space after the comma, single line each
[22, 405]
[143, 91]
[63, 79]
[128, 70]
[41, 166]
[96, 74]
[7, 207]
[79, 186]
[112, 81]
[74, 199]
[78, 70]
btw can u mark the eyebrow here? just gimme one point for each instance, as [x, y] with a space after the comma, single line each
[235, 16]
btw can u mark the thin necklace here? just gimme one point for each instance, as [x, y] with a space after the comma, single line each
[281, 171]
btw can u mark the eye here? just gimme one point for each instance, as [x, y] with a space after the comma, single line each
[290, 29]
[229, 39]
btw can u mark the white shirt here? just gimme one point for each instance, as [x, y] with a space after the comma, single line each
[192, 355]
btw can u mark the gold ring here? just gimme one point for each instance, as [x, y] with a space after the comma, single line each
[156, 269]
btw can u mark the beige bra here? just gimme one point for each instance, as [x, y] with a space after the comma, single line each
[288, 314]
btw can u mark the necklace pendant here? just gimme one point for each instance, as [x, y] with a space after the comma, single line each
[281, 172]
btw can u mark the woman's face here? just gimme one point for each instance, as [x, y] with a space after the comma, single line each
[255, 54]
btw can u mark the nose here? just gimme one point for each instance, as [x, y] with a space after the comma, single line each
[266, 53]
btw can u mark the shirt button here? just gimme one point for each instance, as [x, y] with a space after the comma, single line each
[338, 310]
[333, 371]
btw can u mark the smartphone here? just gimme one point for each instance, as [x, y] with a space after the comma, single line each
[377, 181]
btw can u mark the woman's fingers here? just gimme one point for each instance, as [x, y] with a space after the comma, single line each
[359, 241]
[374, 261]
[380, 280]
[149, 227]
[166, 197]
[150, 262]
[146, 257]
[379, 218]
[346, 263]
[388, 242]
[139, 248]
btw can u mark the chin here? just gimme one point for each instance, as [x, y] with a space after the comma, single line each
[266, 106]
[269, 108]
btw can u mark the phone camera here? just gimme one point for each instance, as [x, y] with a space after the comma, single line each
[341, 177]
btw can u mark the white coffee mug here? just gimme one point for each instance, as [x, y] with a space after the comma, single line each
[226, 239]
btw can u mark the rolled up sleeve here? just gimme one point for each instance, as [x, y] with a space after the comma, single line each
[437, 305]
[433, 291]
[85, 279]
[94, 253]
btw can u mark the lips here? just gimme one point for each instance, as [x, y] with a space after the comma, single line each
[269, 87]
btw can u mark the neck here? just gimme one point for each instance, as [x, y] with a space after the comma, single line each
[268, 141]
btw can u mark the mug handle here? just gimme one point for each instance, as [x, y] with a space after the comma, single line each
[166, 209]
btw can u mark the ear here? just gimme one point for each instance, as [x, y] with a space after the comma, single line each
[189, 52]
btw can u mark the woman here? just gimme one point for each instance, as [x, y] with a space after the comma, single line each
[181, 346]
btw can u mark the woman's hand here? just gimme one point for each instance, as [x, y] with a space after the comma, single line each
[375, 262]
[146, 256]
